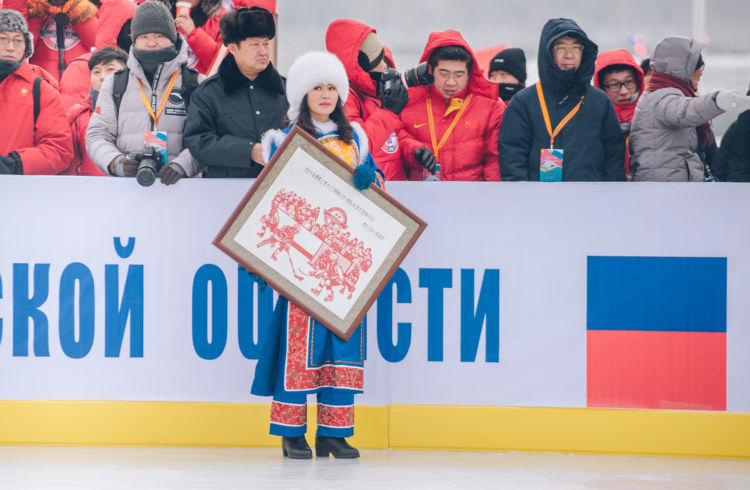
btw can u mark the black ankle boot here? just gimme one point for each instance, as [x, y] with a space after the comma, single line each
[336, 446]
[296, 448]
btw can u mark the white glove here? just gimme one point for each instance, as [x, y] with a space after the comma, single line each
[729, 101]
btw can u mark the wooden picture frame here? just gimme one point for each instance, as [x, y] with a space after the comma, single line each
[315, 238]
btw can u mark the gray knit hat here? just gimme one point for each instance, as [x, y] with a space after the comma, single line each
[153, 16]
[13, 21]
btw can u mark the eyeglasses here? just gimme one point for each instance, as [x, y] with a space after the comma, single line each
[445, 74]
[17, 41]
[568, 48]
[616, 86]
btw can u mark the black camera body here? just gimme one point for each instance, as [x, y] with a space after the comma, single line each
[149, 164]
[419, 75]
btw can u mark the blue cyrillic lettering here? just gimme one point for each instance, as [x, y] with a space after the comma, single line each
[435, 280]
[205, 348]
[116, 313]
[124, 251]
[389, 351]
[26, 308]
[76, 272]
[249, 337]
[488, 310]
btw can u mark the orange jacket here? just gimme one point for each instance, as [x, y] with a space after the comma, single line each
[470, 152]
[47, 151]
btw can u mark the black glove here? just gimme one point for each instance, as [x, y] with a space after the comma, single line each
[425, 158]
[170, 173]
[396, 97]
[11, 164]
[123, 167]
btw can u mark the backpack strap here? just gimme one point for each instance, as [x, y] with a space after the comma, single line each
[119, 86]
[36, 91]
[189, 82]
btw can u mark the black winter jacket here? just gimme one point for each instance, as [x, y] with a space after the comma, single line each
[593, 143]
[732, 163]
[228, 114]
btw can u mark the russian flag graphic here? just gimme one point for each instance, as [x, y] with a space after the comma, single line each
[656, 332]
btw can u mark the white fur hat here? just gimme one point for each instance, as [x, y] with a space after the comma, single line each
[309, 70]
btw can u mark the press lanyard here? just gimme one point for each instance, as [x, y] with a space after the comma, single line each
[545, 113]
[435, 145]
[152, 105]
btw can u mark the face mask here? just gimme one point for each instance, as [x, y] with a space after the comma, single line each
[508, 90]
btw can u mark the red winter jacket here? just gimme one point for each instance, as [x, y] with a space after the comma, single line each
[470, 152]
[78, 118]
[50, 151]
[344, 37]
[205, 42]
[624, 112]
[76, 79]
[80, 33]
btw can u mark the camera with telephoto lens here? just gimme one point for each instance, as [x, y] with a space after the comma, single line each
[149, 163]
[419, 75]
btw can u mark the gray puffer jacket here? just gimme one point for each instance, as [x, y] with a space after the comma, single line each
[109, 136]
[663, 138]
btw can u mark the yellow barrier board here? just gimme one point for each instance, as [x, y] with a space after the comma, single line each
[431, 427]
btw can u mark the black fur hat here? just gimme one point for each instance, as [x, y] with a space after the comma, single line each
[241, 23]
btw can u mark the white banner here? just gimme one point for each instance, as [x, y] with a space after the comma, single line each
[111, 291]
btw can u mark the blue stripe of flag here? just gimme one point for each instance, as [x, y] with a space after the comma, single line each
[678, 294]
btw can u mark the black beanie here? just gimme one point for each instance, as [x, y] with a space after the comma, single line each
[511, 60]
[242, 23]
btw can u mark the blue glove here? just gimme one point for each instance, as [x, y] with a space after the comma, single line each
[363, 177]
[256, 278]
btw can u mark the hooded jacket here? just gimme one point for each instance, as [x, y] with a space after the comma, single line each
[625, 111]
[49, 150]
[76, 79]
[78, 117]
[110, 135]
[470, 152]
[80, 32]
[205, 41]
[343, 38]
[228, 114]
[592, 141]
[663, 138]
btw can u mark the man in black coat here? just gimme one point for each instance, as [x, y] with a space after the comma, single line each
[592, 144]
[231, 110]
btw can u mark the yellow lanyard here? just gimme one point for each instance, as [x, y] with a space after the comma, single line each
[433, 137]
[545, 113]
[164, 98]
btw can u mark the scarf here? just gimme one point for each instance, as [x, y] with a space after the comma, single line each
[150, 59]
[662, 80]
[6, 68]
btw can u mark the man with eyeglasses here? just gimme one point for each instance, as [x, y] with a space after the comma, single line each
[35, 138]
[450, 128]
[562, 128]
[621, 78]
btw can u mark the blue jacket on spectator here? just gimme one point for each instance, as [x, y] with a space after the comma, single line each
[592, 141]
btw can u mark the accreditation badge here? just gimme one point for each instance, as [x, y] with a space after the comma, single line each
[158, 140]
[551, 165]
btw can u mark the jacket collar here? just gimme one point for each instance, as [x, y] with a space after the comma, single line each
[233, 79]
